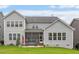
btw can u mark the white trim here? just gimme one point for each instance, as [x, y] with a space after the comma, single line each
[12, 13]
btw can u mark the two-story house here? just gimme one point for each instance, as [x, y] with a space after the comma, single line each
[37, 30]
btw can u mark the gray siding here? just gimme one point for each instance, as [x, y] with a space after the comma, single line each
[75, 24]
[59, 27]
[1, 26]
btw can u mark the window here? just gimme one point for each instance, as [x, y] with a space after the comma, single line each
[36, 27]
[8, 24]
[12, 23]
[63, 36]
[59, 36]
[2, 36]
[18, 36]
[54, 36]
[50, 36]
[20, 24]
[16, 23]
[14, 36]
[33, 27]
[10, 36]
[0, 26]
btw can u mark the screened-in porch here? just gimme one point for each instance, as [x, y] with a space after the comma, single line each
[33, 38]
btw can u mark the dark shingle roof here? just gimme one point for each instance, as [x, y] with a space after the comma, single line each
[40, 19]
[75, 21]
[36, 19]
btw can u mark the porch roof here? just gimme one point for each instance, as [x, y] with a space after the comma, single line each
[34, 30]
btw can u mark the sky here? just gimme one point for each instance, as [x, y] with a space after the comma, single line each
[64, 12]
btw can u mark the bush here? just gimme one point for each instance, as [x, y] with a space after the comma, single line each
[1, 42]
[77, 46]
[18, 42]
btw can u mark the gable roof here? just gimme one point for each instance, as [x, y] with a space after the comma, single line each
[61, 22]
[75, 24]
[12, 13]
[41, 19]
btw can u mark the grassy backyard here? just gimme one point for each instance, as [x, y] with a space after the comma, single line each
[32, 50]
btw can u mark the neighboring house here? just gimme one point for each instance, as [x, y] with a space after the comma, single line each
[75, 24]
[1, 28]
[40, 30]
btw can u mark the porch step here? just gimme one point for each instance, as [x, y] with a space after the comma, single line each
[32, 46]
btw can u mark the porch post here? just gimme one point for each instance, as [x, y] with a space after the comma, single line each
[24, 39]
[39, 38]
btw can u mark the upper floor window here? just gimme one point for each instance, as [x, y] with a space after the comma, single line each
[20, 24]
[36, 27]
[50, 36]
[63, 36]
[16, 23]
[8, 23]
[33, 26]
[12, 23]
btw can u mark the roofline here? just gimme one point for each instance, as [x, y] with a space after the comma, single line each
[13, 12]
[40, 16]
[72, 22]
[39, 22]
[62, 22]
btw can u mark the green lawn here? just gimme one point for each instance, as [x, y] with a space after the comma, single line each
[26, 50]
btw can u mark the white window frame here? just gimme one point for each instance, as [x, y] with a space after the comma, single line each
[55, 36]
[36, 26]
[59, 36]
[14, 36]
[12, 25]
[20, 24]
[49, 36]
[10, 37]
[8, 23]
[16, 23]
[18, 36]
[33, 27]
[64, 36]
